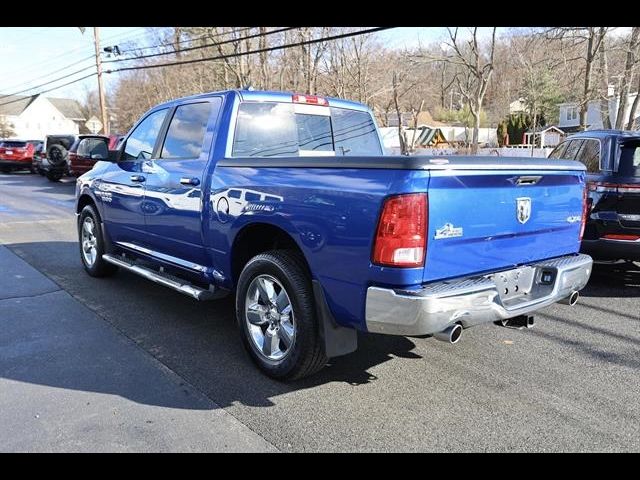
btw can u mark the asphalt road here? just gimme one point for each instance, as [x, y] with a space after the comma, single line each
[572, 383]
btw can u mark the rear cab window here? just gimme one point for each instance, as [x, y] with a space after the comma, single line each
[629, 158]
[278, 129]
[12, 144]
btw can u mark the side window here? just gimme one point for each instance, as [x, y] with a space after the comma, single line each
[558, 152]
[186, 131]
[141, 141]
[265, 130]
[235, 193]
[572, 149]
[589, 154]
[252, 197]
[354, 133]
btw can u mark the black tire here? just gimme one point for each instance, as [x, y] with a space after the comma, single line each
[99, 268]
[57, 155]
[54, 176]
[306, 355]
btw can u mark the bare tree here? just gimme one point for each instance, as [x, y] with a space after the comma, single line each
[474, 72]
[634, 108]
[592, 38]
[6, 128]
[604, 84]
[627, 76]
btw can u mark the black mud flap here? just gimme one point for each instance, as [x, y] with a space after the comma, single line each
[337, 340]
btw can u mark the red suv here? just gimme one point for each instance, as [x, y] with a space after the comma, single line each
[17, 155]
[86, 151]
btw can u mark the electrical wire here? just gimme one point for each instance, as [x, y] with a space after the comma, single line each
[184, 62]
[90, 57]
[54, 88]
[200, 47]
[187, 40]
[250, 52]
[49, 82]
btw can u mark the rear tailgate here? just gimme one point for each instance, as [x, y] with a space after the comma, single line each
[483, 220]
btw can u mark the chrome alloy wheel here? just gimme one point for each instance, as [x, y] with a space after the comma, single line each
[270, 318]
[89, 242]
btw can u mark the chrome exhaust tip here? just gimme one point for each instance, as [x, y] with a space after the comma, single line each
[572, 299]
[450, 334]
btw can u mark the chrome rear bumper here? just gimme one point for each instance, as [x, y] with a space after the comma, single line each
[475, 300]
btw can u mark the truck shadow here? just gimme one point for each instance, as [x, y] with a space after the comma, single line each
[197, 341]
[613, 280]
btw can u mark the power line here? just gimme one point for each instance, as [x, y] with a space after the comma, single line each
[127, 35]
[90, 57]
[187, 40]
[92, 66]
[144, 67]
[248, 37]
[54, 59]
[250, 52]
[48, 83]
[54, 88]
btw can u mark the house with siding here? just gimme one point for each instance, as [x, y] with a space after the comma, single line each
[570, 114]
[33, 117]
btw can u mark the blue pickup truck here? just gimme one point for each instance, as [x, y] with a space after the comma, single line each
[288, 201]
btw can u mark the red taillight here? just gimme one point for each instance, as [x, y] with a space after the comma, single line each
[618, 236]
[401, 238]
[585, 211]
[309, 99]
[607, 187]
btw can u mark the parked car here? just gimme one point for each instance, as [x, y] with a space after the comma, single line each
[73, 154]
[86, 151]
[612, 158]
[54, 162]
[17, 155]
[329, 236]
[38, 155]
[114, 141]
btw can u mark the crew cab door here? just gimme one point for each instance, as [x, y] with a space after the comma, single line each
[175, 185]
[121, 188]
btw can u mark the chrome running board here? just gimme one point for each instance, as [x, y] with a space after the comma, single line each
[162, 278]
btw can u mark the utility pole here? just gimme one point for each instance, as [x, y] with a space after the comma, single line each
[103, 106]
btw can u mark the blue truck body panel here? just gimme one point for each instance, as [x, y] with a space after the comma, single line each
[331, 213]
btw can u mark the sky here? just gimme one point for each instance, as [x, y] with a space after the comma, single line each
[31, 56]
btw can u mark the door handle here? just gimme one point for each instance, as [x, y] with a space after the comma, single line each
[137, 178]
[190, 181]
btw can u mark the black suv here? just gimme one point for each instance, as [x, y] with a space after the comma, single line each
[612, 158]
[55, 161]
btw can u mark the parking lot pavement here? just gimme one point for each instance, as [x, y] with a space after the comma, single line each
[72, 382]
[572, 383]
